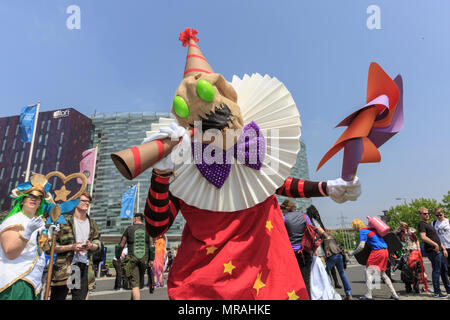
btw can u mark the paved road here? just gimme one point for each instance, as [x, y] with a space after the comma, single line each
[354, 271]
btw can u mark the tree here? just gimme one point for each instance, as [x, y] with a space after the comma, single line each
[446, 204]
[346, 238]
[408, 212]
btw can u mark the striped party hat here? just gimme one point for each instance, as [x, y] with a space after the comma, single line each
[195, 61]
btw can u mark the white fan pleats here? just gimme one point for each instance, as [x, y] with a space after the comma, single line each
[267, 102]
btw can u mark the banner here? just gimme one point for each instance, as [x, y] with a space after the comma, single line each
[87, 164]
[128, 203]
[26, 123]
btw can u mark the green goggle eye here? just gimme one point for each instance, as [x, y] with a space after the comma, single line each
[205, 90]
[180, 106]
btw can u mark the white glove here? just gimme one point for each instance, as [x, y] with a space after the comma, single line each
[53, 229]
[35, 224]
[340, 190]
[174, 132]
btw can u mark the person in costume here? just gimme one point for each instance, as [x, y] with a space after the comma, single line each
[159, 261]
[378, 258]
[138, 242]
[76, 243]
[22, 260]
[411, 245]
[234, 244]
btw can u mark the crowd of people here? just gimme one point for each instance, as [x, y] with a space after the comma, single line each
[409, 259]
[25, 250]
[319, 255]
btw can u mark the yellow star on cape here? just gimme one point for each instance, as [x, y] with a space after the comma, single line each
[258, 283]
[292, 295]
[228, 267]
[269, 225]
[210, 250]
[62, 194]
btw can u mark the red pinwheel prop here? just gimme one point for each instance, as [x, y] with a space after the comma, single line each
[372, 125]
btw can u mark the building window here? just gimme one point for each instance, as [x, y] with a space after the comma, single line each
[42, 124]
[46, 138]
[2, 173]
[17, 130]
[12, 172]
[7, 130]
[15, 157]
[37, 153]
[48, 125]
[40, 169]
[43, 155]
[61, 138]
[59, 123]
[21, 156]
[18, 174]
[56, 169]
[40, 139]
[59, 153]
[4, 144]
[14, 144]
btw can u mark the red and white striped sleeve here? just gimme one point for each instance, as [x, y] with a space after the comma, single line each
[161, 207]
[298, 188]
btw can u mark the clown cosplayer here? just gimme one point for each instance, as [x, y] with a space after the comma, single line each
[238, 144]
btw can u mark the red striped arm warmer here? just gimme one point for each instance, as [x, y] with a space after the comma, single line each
[161, 207]
[298, 188]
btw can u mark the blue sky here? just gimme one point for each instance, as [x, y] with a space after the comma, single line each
[127, 57]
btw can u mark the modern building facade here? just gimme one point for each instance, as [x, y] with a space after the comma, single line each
[61, 137]
[301, 171]
[115, 132]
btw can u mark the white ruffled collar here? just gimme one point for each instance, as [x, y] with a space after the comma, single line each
[268, 103]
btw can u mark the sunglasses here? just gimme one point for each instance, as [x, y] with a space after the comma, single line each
[438, 215]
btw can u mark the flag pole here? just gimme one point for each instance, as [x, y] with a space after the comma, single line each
[93, 176]
[137, 207]
[30, 156]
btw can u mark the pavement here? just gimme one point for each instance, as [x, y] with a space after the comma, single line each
[354, 272]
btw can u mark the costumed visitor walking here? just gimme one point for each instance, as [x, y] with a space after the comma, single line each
[415, 269]
[378, 258]
[137, 241]
[22, 259]
[159, 261]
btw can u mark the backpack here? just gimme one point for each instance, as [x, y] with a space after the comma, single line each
[311, 239]
[364, 254]
[99, 255]
[139, 244]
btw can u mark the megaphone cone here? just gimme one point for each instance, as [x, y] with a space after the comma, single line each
[133, 161]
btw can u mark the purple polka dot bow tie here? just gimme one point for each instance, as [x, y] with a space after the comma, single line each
[215, 164]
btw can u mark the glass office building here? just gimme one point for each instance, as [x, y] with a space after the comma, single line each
[114, 132]
[301, 171]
